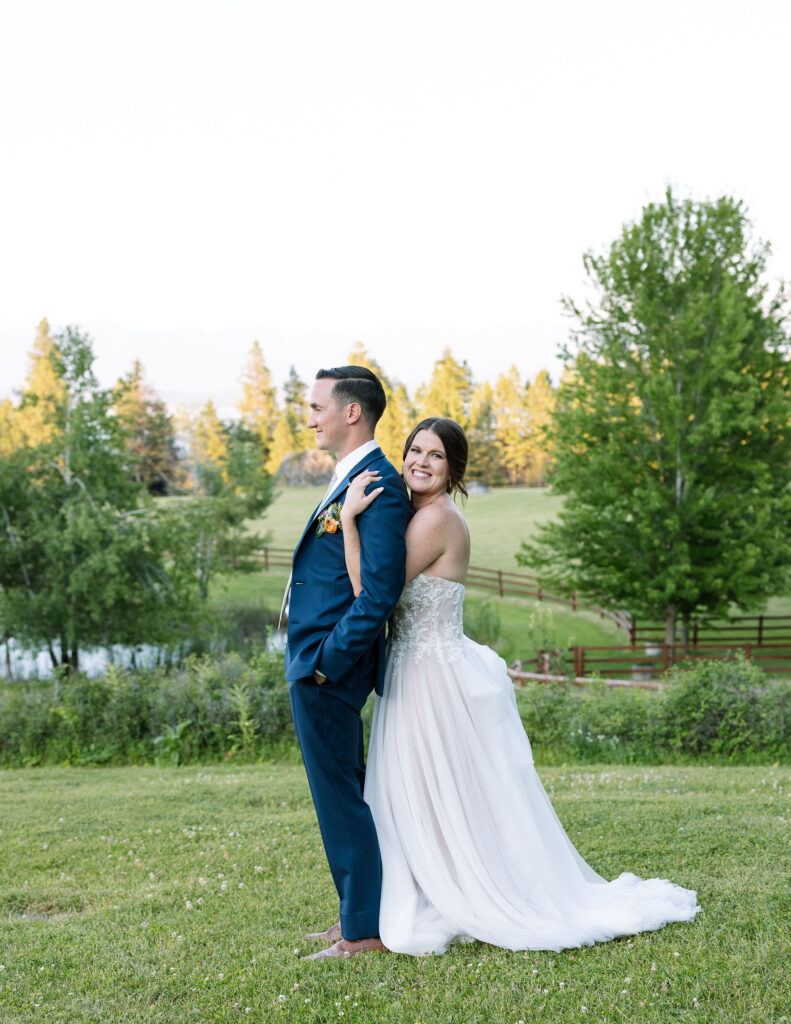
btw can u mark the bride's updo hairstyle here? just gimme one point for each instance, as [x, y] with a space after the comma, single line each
[454, 441]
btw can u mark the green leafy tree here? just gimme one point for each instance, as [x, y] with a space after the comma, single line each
[671, 436]
[148, 431]
[230, 486]
[83, 551]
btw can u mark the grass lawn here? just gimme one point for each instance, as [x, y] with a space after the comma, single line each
[181, 895]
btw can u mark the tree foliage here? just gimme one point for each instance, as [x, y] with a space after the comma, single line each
[671, 432]
[83, 550]
[257, 406]
[148, 430]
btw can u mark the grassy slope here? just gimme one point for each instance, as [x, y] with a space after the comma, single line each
[97, 866]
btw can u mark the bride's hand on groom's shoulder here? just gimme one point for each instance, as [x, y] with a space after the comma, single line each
[356, 500]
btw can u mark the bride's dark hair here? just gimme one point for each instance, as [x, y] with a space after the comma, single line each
[454, 440]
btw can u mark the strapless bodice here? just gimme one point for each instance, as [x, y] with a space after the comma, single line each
[428, 620]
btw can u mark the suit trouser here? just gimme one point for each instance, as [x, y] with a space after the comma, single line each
[330, 734]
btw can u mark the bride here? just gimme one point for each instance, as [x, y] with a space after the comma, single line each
[471, 847]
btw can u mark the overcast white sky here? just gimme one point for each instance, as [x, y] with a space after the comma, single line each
[182, 176]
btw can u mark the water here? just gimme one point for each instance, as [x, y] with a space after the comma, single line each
[27, 664]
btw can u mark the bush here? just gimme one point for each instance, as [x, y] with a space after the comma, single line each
[721, 710]
[726, 708]
[216, 707]
[210, 708]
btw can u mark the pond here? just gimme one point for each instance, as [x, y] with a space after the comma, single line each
[29, 664]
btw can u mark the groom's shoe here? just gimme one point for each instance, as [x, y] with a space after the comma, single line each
[343, 949]
[331, 935]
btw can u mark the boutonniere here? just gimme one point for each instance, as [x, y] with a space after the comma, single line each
[330, 519]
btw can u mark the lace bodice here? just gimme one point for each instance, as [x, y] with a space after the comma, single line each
[428, 620]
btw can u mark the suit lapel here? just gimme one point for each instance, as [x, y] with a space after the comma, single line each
[339, 488]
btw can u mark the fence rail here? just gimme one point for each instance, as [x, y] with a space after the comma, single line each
[653, 658]
[753, 629]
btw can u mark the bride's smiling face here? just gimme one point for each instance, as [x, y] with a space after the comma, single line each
[426, 470]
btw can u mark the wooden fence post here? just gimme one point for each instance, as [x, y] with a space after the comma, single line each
[632, 631]
[500, 581]
[665, 657]
[760, 629]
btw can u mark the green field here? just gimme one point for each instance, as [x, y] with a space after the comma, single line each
[181, 895]
[498, 521]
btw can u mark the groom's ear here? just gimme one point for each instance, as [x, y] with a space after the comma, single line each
[353, 412]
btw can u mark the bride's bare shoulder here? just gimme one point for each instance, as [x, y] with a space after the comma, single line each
[439, 515]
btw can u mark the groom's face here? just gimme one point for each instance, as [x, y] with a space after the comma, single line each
[327, 418]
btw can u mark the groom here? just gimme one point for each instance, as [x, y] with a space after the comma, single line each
[335, 653]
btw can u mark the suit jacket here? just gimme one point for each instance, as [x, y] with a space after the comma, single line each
[330, 629]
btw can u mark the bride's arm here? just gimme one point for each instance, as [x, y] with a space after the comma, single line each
[355, 502]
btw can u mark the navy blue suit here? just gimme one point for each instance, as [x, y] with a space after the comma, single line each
[343, 637]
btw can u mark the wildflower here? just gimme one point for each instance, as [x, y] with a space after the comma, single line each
[281, 999]
[188, 905]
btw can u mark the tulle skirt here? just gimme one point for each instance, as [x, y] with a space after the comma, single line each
[471, 846]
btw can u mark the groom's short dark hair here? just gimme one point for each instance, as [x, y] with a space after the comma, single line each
[357, 384]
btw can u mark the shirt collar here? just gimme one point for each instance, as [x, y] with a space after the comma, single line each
[348, 462]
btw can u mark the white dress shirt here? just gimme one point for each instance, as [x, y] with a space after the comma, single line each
[343, 467]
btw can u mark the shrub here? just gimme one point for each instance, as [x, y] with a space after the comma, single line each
[207, 709]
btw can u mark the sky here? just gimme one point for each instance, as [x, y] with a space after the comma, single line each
[181, 177]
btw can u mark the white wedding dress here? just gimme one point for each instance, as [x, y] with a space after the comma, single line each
[471, 847]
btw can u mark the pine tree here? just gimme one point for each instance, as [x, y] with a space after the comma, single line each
[483, 463]
[41, 411]
[296, 404]
[148, 429]
[286, 440]
[512, 431]
[257, 405]
[448, 392]
[398, 417]
[210, 452]
[540, 404]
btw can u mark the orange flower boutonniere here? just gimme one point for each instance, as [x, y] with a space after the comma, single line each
[330, 519]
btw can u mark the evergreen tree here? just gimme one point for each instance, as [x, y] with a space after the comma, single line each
[285, 441]
[148, 431]
[539, 405]
[512, 429]
[670, 439]
[295, 398]
[398, 417]
[257, 405]
[448, 392]
[484, 457]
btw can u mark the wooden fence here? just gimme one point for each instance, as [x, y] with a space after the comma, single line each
[756, 630]
[655, 659]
